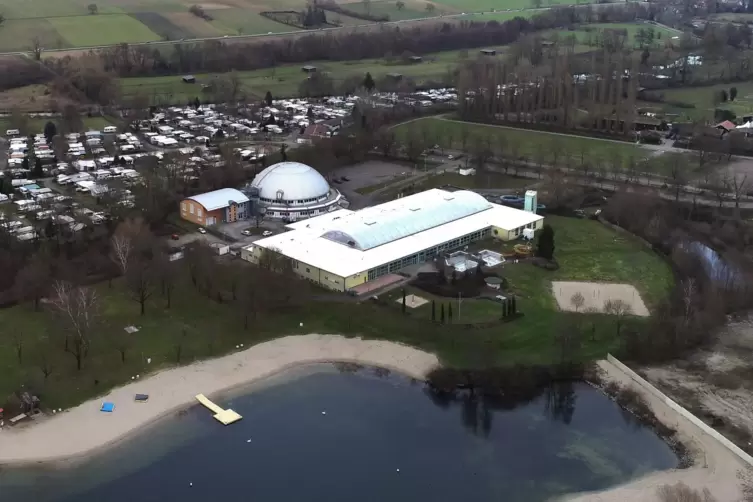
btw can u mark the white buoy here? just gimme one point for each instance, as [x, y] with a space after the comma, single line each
[148, 360]
[60, 410]
[190, 484]
[398, 470]
[137, 376]
[241, 345]
[301, 324]
[324, 413]
[132, 378]
[248, 440]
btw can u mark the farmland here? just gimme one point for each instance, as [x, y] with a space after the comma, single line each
[411, 10]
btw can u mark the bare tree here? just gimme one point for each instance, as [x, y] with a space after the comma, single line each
[141, 279]
[577, 301]
[737, 186]
[683, 493]
[79, 308]
[125, 240]
[620, 310]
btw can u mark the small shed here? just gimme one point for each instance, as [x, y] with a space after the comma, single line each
[395, 76]
[189, 79]
[415, 59]
[489, 52]
[309, 68]
[547, 43]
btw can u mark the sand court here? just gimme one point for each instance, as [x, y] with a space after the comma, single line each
[595, 294]
[413, 301]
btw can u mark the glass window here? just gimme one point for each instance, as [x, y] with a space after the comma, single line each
[198, 211]
[192, 209]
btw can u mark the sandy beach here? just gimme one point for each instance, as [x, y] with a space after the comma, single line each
[715, 467]
[84, 430]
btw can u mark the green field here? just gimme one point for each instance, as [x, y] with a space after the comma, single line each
[412, 10]
[284, 81]
[586, 251]
[703, 100]
[489, 5]
[245, 22]
[592, 32]
[203, 327]
[502, 16]
[531, 144]
[83, 31]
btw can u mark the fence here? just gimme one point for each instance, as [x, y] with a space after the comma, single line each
[734, 449]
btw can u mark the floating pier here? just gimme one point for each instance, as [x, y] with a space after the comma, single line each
[225, 417]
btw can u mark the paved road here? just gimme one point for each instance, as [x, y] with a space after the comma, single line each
[322, 30]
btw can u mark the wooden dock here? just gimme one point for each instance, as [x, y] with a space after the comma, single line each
[225, 417]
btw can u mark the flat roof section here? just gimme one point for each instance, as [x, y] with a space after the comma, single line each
[305, 241]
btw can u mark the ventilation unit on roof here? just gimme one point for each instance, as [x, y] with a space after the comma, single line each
[352, 244]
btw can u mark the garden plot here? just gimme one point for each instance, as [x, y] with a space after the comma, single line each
[595, 295]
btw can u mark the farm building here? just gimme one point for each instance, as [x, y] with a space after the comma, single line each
[309, 69]
[291, 191]
[345, 250]
[488, 52]
[221, 206]
[189, 79]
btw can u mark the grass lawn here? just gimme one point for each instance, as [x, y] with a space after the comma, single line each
[583, 32]
[84, 31]
[586, 251]
[246, 22]
[534, 145]
[503, 16]
[284, 81]
[412, 10]
[17, 34]
[703, 100]
[203, 327]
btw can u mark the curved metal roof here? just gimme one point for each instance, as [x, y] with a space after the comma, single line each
[290, 181]
[220, 198]
[374, 228]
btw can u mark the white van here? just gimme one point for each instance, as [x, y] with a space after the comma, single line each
[12, 132]
[110, 129]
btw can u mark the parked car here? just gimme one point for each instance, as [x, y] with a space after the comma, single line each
[266, 233]
[246, 232]
[175, 237]
[344, 178]
[202, 230]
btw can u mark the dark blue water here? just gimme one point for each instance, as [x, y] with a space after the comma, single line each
[375, 424]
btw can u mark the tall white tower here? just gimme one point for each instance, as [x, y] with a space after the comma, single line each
[531, 201]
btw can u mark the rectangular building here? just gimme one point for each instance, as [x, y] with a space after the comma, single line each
[345, 249]
[221, 206]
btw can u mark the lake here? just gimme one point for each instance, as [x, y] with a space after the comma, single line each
[340, 433]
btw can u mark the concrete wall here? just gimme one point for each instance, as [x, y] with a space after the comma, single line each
[682, 411]
[356, 280]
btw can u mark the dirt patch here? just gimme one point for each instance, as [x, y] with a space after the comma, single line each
[595, 295]
[716, 383]
[194, 26]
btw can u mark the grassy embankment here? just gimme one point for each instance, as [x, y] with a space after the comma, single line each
[203, 327]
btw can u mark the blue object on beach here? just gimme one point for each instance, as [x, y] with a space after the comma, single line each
[108, 407]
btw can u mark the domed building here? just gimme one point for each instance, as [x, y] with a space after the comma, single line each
[291, 191]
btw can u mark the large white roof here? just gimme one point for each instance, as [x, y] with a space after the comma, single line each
[292, 180]
[459, 213]
[220, 198]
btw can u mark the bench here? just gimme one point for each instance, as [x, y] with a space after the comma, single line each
[17, 418]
